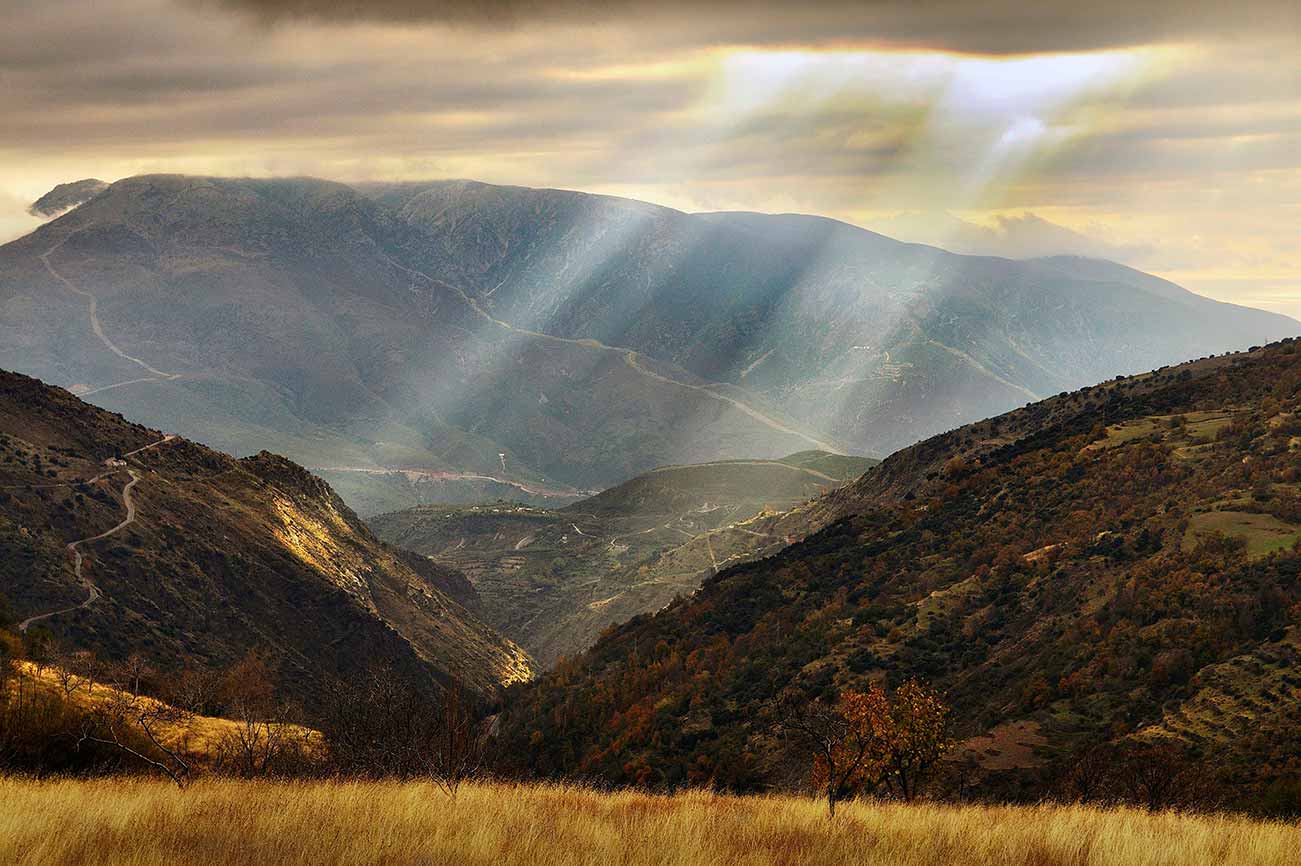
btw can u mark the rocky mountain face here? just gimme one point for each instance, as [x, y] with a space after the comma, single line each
[1117, 564]
[554, 579]
[433, 342]
[121, 539]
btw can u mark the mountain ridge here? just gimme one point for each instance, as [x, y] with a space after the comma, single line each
[553, 579]
[66, 196]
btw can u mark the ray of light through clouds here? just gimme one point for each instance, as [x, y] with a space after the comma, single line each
[1167, 137]
[932, 129]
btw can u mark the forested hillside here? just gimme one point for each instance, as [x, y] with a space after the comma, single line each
[1116, 565]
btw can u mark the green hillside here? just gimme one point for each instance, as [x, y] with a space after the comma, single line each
[553, 579]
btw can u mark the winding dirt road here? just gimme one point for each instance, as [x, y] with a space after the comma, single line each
[631, 357]
[92, 592]
[802, 469]
[93, 305]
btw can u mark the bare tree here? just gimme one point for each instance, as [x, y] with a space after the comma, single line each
[1088, 776]
[377, 725]
[264, 738]
[39, 647]
[198, 690]
[964, 776]
[66, 677]
[1159, 775]
[74, 671]
[459, 741]
[111, 722]
[132, 672]
[385, 726]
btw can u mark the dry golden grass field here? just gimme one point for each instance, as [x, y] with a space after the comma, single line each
[138, 822]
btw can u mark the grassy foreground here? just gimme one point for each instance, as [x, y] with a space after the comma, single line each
[229, 822]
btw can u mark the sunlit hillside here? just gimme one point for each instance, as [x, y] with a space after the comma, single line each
[195, 736]
[226, 556]
[198, 739]
[143, 823]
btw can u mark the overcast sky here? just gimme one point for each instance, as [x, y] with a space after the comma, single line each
[1163, 134]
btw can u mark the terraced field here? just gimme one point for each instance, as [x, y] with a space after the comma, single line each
[1263, 533]
[1232, 699]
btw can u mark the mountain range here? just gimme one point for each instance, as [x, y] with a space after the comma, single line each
[1114, 564]
[455, 341]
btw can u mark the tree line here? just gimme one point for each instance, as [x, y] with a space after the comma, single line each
[66, 712]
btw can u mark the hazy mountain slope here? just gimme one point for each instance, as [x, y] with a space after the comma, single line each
[554, 579]
[544, 342]
[206, 557]
[285, 314]
[733, 484]
[379, 491]
[877, 342]
[1087, 567]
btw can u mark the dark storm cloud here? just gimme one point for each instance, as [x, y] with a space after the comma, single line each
[974, 26]
[144, 73]
[89, 84]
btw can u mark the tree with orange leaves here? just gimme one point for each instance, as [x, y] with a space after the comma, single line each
[869, 740]
[918, 737]
[847, 739]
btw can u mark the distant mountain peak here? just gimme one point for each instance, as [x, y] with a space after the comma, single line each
[66, 196]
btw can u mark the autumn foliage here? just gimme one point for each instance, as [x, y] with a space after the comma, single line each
[870, 741]
[1088, 568]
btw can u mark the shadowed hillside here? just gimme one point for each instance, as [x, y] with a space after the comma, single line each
[121, 539]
